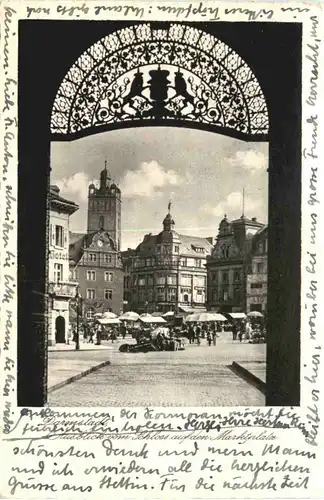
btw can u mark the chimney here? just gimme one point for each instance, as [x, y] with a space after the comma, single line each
[254, 219]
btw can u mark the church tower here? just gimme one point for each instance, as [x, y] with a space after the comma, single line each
[104, 208]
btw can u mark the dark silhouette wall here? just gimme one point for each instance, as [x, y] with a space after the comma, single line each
[47, 49]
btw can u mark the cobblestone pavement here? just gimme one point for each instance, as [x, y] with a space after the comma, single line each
[198, 376]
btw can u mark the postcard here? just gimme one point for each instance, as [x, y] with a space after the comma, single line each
[162, 264]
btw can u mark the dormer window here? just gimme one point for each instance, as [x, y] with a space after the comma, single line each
[197, 249]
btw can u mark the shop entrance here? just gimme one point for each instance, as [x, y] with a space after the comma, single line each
[60, 330]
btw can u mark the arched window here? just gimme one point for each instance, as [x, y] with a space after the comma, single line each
[101, 222]
[186, 297]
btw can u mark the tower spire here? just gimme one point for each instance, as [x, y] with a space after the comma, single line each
[104, 177]
[169, 206]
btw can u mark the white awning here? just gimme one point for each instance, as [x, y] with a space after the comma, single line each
[191, 310]
[237, 315]
[152, 319]
[205, 317]
[108, 321]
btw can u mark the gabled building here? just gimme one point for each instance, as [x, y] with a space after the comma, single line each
[168, 271]
[95, 257]
[228, 265]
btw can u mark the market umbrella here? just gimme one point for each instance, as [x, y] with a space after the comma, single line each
[129, 316]
[205, 316]
[109, 315]
[108, 321]
[255, 314]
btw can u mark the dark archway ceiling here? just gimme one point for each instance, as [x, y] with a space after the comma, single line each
[176, 75]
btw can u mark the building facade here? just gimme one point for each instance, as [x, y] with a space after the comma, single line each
[229, 263]
[257, 274]
[60, 288]
[95, 257]
[127, 258]
[168, 272]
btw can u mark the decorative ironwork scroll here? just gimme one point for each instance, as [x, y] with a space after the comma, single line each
[142, 73]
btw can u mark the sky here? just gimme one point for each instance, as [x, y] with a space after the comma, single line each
[202, 173]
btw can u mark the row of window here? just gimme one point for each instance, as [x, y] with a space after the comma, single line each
[223, 295]
[170, 297]
[259, 268]
[262, 248]
[183, 262]
[162, 279]
[92, 257]
[225, 276]
[91, 294]
[92, 276]
[102, 205]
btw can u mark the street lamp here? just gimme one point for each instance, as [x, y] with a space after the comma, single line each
[77, 337]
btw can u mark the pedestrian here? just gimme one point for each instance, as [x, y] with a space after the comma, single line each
[113, 336]
[234, 331]
[214, 335]
[123, 330]
[248, 330]
[198, 334]
[209, 338]
[191, 334]
[91, 333]
[241, 331]
[98, 334]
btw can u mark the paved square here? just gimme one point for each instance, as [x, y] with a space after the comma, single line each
[199, 376]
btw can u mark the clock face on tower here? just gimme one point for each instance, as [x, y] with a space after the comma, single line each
[99, 243]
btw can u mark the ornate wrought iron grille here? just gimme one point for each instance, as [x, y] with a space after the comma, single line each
[140, 73]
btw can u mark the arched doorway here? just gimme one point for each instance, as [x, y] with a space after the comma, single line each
[60, 330]
[273, 50]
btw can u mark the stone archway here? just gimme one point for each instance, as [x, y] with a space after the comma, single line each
[274, 52]
[148, 75]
